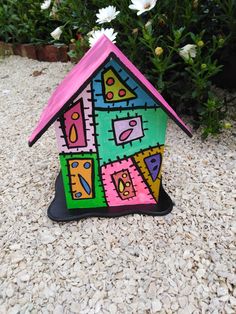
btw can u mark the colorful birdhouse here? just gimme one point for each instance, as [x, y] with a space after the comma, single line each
[110, 126]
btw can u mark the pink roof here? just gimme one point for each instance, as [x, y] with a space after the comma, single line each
[80, 75]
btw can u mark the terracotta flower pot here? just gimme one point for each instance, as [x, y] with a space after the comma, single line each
[6, 49]
[63, 56]
[2, 48]
[47, 53]
[51, 53]
[28, 50]
[17, 49]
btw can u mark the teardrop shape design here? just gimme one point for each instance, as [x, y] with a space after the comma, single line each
[84, 184]
[73, 134]
[121, 185]
[125, 134]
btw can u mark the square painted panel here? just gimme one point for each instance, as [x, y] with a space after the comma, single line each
[81, 173]
[82, 183]
[126, 130]
[124, 184]
[110, 147]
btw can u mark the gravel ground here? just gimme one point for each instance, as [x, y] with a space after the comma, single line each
[182, 263]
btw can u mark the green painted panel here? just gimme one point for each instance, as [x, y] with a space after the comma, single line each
[82, 183]
[126, 132]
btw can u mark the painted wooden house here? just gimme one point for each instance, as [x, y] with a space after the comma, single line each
[110, 125]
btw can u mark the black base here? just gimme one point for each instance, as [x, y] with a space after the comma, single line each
[59, 212]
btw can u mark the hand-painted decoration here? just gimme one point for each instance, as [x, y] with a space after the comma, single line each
[85, 126]
[113, 87]
[73, 125]
[82, 182]
[123, 184]
[110, 125]
[126, 91]
[153, 164]
[115, 190]
[80, 172]
[123, 133]
[149, 163]
[127, 130]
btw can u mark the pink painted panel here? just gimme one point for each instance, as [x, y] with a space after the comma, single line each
[82, 72]
[124, 185]
[74, 125]
[89, 126]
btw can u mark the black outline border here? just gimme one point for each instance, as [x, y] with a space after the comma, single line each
[70, 178]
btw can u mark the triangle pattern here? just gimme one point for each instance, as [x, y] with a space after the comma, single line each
[115, 89]
[149, 164]
[153, 164]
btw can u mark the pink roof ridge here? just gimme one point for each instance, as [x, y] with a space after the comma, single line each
[79, 76]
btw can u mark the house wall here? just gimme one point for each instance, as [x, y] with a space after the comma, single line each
[111, 143]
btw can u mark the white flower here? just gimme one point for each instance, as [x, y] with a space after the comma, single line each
[188, 51]
[142, 5]
[107, 14]
[56, 34]
[45, 5]
[94, 35]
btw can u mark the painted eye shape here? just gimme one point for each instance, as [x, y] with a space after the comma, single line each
[109, 95]
[110, 81]
[122, 93]
[87, 165]
[133, 123]
[74, 164]
[75, 116]
[78, 194]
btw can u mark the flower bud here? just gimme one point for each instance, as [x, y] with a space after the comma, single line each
[190, 61]
[56, 34]
[148, 24]
[221, 42]
[135, 31]
[195, 4]
[200, 43]
[227, 125]
[161, 22]
[203, 66]
[159, 51]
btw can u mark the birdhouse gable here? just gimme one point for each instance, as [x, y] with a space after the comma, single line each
[106, 67]
[115, 87]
